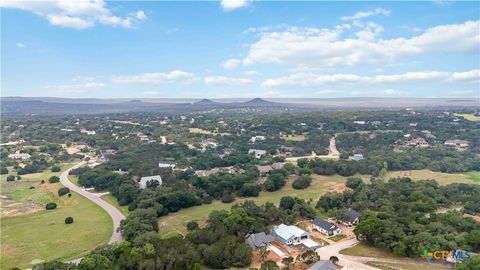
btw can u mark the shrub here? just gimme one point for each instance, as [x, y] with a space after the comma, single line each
[302, 182]
[4, 170]
[69, 195]
[228, 198]
[55, 169]
[11, 178]
[54, 179]
[192, 225]
[68, 220]
[51, 206]
[62, 191]
[42, 182]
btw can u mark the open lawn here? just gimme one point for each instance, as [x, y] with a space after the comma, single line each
[113, 201]
[202, 131]
[29, 232]
[469, 117]
[408, 266]
[295, 138]
[365, 250]
[442, 178]
[176, 222]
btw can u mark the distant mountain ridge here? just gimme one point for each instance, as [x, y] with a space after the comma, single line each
[55, 106]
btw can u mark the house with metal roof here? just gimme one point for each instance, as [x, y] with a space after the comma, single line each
[289, 234]
[144, 180]
[258, 240]
[323, 265]
[351, 218]
[325, 227]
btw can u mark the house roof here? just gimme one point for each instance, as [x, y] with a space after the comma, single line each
[323, 265]
[144, 180]
[324, 224]
[288, 231]
[352, 215]
[258, 239]
[264, 169]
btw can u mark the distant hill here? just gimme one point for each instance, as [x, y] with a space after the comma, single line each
[55, 106]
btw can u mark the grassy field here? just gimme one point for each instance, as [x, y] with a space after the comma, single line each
[176, 222]
[202, 131]
[442, 178]
[38, 234]
[407, 266]
[296, 138]
[113, 201]
[337, 237]
[469, 117]
[365, 250]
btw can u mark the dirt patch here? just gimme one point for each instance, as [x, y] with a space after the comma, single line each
[19, 209]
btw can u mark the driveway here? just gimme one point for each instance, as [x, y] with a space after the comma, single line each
[114, 213]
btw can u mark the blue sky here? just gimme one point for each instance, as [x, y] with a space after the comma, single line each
[239, 48]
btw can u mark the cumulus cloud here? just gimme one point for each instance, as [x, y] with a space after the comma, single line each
[156, 78]
[231, 63]
[251, 73]
[78, 14]
[365, 14]
[229, 5]
[21, 45]
[327, 47]
[312, 79]
[225, 81]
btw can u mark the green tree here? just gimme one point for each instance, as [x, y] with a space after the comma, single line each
[269, 265]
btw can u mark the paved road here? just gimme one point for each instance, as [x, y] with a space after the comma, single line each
[352, 262]
[114, 213]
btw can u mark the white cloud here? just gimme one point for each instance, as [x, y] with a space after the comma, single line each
[312, 79]
[392, 92]
[77, 14]
[21, 45]
[251, 73]
[156, 78]
[225, 81]
[150, 93]
[231, 63]
[229, 5]
[76, 88]
[326, 91]
[365, 14]
[326, 47]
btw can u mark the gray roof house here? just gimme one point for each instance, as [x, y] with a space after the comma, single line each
[258, 240]
[257, 152]
[144, 180]
[326, 227]
[352, 218]
[167, 163]
[289, 234]
[323, 265]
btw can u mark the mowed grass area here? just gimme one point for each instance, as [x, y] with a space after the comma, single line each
[176, 222]
[202, 131]
[442, 178]
[469, 117]
[113, 201]
[364, 250]
[408, 266]
[43, 235]
[295, 138]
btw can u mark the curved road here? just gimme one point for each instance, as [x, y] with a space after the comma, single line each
[114, 213]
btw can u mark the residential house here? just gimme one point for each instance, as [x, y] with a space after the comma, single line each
[323, 265]
[257, 138]
[208, 143]
[351, 218]
[359, 122]
[277, 165]
[357, 157]
[167, 163]
[258, 153]
[203, 173]
[457, 143]
[258, 240]
[289, 234]
[19, 155]
[144, 180]
[419, 141]
[264, 170]
[325, 227]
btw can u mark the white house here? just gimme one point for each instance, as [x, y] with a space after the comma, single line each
[258, 153]
[167, 163]
[289, 234]
[325, 227]
[257, 138]
[144, 180]
[357, 157]
[19, 155]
